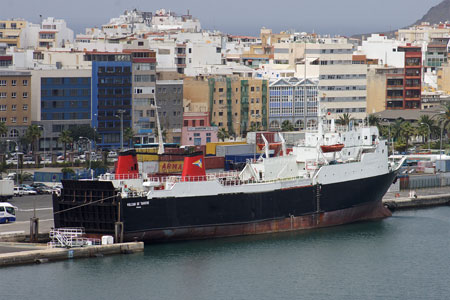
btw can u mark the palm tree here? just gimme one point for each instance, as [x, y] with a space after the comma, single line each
[396, 128]
[65, 138]
[407, 131]
[222, 134]
[345, 119]
[287, 126]
[128, 135]
[33, 134]
[3, 128]
[374, 120]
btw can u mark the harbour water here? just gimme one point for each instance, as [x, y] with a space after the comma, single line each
[406, 256]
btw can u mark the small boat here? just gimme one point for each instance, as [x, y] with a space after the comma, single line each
[332, 148]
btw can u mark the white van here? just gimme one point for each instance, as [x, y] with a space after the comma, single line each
[18, 191]
[7, 212]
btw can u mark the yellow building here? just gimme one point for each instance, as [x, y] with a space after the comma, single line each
[10, 32]
[235, 103]
[443, 78]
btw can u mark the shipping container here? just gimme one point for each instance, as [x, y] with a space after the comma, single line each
[443, 165]
[214, 162]
[211, 147]
[234, 149]
[237, 162]
[255, 137]
[148, 167]
[292, 138]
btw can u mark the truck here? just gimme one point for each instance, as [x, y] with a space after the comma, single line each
[6, 189]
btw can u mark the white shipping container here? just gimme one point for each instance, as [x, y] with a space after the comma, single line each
[428, 170]
[148, 167]
[235, 149]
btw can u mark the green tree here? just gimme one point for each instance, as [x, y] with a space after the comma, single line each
[396, 128]
[128, 135]
[66, 138]
[85, 131]
[374, 120]
[345, 119]
[222, 134]
[407, 131]
[287, 126]
[33, 134]
[3, 128]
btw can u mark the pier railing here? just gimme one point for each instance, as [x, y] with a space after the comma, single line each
[424, 181]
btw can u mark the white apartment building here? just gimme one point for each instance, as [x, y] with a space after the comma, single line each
[54, 33]
[342, 85]
[384, 49]
[294, 100]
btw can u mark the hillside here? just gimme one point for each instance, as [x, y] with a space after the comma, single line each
[437, 14]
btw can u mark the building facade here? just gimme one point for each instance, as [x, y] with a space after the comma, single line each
[197, 130]
[169, 99]
[111, 96]
[10, 32]
[15, 103]
[293, 100]
[65, 102]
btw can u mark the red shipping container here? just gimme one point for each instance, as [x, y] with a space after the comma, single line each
[214, 162]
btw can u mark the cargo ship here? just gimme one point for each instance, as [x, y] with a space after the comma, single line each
[329, 178]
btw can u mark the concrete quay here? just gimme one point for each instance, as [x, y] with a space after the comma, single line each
[419, 198]
[42, 254]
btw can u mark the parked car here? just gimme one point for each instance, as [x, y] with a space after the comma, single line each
[41, 188]
[18, 191]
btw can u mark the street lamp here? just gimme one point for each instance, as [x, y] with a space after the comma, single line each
[429, 134]
[121, 112]
[43, 131]
[90, 154]
[17, 158]
[392, 142]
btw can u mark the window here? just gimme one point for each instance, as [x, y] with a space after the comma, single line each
[2, 82]
[2, 107]
[3, 119]
[13, 119]
[13, 95]
[25, 82]
[25, 94]
[13, 107]
[13, 82]
[25, 119]
[25, 107]
[3, 95]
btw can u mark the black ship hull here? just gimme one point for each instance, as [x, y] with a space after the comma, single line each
[182, 218]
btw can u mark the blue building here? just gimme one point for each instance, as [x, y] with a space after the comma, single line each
[111, 93]
[65, 102]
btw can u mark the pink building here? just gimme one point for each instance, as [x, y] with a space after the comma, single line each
[197, 130]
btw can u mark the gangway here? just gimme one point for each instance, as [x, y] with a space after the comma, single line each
[70, 238]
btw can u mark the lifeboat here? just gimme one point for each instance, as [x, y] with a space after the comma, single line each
[332, 148]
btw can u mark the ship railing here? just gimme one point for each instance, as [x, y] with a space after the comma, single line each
[207, 177]
[120, 176]
[236, 182]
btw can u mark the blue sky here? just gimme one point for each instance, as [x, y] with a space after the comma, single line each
[345, 17]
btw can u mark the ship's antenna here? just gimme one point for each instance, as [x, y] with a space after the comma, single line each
[160, 137]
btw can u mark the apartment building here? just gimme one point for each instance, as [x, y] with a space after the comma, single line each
[111, 95]
[15, 103]
[234, 103]
[294, 100]
[143, 84]
[342, 84]
[54, 33]
[61, 100]
[169, 99]
[10, 32]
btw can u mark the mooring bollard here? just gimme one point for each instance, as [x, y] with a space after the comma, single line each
[34, 229]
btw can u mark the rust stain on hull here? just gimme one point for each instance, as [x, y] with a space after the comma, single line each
[323, 219]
